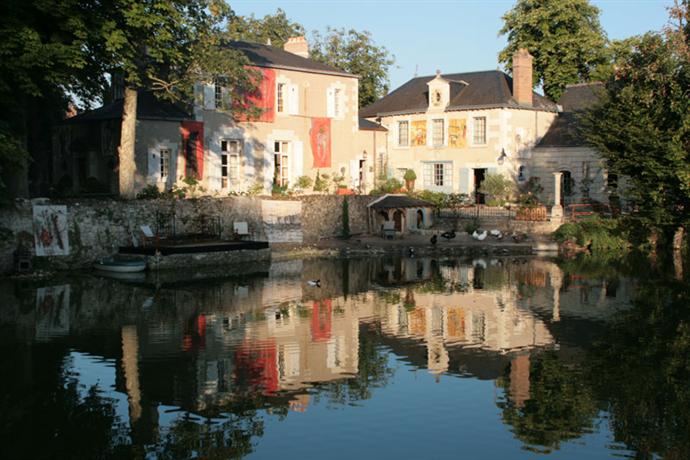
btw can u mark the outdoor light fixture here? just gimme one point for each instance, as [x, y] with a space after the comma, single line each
[502, 157]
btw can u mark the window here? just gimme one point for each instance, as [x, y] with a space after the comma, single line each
[521, 173]
[438, 132]
[479, 137]
[403, 133]
[280, 97]
[165, 163]
[230, 162]
[438, 174]
[280, 171]
[337, 103]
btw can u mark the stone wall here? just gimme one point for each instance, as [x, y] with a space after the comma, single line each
[97, 228]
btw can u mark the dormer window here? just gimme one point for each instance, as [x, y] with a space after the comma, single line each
[436, 98]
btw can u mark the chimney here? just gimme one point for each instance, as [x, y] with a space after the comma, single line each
[298, 46]
[522, 77]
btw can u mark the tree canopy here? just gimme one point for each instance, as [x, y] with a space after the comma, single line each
[276, 28]
[355, 52]
[564, 37]
[642, 127]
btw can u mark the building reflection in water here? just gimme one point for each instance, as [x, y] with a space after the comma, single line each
[219, 342]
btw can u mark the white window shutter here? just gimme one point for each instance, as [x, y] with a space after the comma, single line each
[154, 163]
[209, 96]
[354, 172]
[464, 181]
[428, 171]
[448, 175]
[227, 101]
[293, 100]
[297, 159]
[330, 106]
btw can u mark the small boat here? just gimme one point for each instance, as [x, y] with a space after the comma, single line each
[117, 265]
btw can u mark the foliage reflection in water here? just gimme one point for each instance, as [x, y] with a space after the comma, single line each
[391, 356]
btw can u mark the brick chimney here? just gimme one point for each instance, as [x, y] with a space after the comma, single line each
[522, 77]
[298, 46]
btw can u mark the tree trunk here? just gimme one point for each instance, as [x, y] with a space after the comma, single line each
[127, 165]
[678, 252]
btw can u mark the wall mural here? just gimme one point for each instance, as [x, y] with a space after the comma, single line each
[457, 133]
[50, 230]
[320, 136]
[419, 133]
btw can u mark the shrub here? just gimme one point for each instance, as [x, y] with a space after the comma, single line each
[150, 192]
[279, 190]
[528, 193]
[472, 226]
[498, 187]
[410, 175]
[595, 233]
[255, 189]
[321, 182]
[303, 182]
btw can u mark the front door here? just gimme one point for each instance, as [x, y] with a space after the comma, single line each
[479, 176]
[398, 218]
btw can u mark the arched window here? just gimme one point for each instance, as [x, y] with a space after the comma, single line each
[522, 173]
[567, 187]
[420, 218]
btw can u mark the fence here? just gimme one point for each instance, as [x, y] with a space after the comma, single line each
[538, 213]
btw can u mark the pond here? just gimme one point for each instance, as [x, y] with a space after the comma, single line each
[389, 357]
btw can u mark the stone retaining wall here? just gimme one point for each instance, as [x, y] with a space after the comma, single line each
[96, 228]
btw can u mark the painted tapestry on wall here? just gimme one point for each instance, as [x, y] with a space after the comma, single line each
[320, 137]
[419, 133]
[457, 133]
[261, 99]
[50, 230]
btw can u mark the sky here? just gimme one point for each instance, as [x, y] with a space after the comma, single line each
[448, 35]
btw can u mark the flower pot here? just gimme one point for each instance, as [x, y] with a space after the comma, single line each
[409, 185]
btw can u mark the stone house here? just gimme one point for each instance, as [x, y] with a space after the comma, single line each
[308, 122]
[563, 150]
[454, 129]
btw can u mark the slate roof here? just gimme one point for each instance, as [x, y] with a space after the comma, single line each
[470, 90]
[366, 125]
[149, 107]
[270, 56]
[399, 201]
[563, 132]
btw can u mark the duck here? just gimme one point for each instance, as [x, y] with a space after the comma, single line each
[480, 236]
[449, 235]
[434, 239]
[314, 283]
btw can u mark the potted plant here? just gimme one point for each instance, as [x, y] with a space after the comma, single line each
[410, 177]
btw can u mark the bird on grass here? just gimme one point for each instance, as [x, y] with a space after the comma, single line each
[434, 240]
[448, 235]
[314, 283]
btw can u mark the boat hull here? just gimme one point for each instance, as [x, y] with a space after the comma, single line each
[120, 266]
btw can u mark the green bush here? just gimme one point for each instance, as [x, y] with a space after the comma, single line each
[528, 193]
[303, 182]
[472, 226]
[599, 235]
[256, 189]
[279, 190]
[497, 187]
[150, 192]
[410, 175]
[321, 182]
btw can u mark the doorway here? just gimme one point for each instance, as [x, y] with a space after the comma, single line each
[479, 176]
[420, 218]
[398, 219]
[566, 187]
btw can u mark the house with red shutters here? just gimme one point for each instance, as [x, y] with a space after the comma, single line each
[307, 122]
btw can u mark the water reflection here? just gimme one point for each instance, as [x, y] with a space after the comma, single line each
[171, 367]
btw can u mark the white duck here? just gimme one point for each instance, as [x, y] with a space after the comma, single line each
[314, 283]
[480, 236]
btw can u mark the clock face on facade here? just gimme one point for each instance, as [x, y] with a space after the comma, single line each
[436, 97]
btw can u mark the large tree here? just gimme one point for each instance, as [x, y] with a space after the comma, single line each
[272, 28]
[564, 37]
[355, 52]
[642, 127]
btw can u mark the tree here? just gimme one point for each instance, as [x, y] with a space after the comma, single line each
[276, 28]
[564, 37]
[642, 128]
[167, 46]
[355, 52]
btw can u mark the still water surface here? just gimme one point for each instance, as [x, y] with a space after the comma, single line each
[404, 358]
